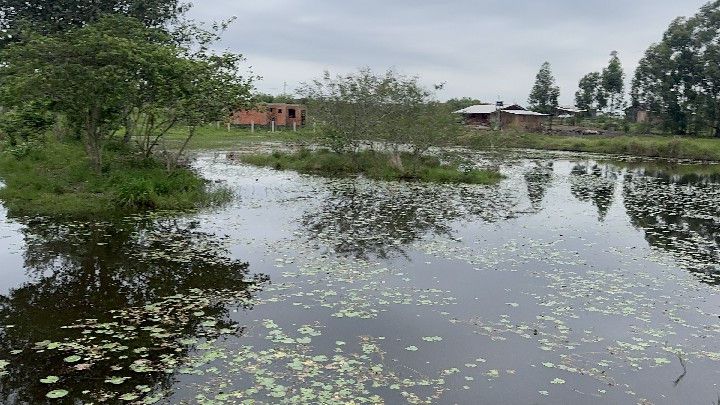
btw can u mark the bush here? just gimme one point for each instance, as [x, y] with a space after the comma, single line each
[135, 194]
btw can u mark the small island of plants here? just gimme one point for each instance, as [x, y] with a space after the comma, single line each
[374, 165]
[389, 110]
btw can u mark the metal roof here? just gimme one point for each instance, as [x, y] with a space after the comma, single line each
[523, 112]
[478, 109]
[571, 109]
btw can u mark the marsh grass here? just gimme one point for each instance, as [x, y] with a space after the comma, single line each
[375, 165]
[57, 180]
[646, 146]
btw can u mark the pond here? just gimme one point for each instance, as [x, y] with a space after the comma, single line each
[578, 279]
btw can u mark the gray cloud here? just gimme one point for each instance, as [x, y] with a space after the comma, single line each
[482, 49]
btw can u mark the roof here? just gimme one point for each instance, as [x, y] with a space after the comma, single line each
[478, 109]
[526, 113]
[486, 109]
[572, 109]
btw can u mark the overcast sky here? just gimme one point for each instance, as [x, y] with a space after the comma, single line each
[481, 48]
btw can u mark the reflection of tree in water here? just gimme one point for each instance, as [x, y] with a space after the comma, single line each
[360, 220]
[594, 184]
[679, 214]
[108, 274]
[539, 179]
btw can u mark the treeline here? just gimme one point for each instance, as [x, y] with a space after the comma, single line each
[126, 71]
[678, 80]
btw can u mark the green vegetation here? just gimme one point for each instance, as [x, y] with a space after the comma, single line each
[58, 179]
[110, 83]
[212, 137]
[647, 146]
[678, 79]
[545, 93]
[375, 165]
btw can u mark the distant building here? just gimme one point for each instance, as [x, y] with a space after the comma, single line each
[484, 114]
[282, 114]
[523, 120]
[569, 112]
[640, 114]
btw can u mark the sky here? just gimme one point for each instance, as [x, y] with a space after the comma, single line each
[482, 49]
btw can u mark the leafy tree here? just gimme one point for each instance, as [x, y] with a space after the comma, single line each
[100, 74]
[613, 83]
[678, 79]
[354, 108]
[545, 93]
[455, 104]
[50, 17]
[347, 108]
[591, 96]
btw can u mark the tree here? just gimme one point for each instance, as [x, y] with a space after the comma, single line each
[613, 84]
[678, 79]
[591, 96]
[100, 74]
[354, 108]
[347, 108]
[50, 17]
[545, 93]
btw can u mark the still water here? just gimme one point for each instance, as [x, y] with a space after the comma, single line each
[578, 279]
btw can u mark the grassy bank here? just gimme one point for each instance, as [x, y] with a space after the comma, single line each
[375, 165]
[57, 180]
[212, 137]
[647, 146]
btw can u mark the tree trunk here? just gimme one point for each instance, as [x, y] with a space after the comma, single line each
[92, 139]
[128, 128]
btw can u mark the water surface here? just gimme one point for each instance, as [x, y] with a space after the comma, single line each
[578, 279]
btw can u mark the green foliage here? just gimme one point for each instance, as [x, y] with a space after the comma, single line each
[678, 80]
[613, 84]
[375, 165]
[50, 17]
[117, 72]
[58, 180]
[545, 93]
[455, 104]
[590, 96]
[25, 123]
[355, 108]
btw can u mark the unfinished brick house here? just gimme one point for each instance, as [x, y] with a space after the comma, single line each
[284, 115]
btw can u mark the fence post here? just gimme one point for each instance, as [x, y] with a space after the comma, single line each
[228, 127]
[252, 127]
[273, 126]
[294, 126]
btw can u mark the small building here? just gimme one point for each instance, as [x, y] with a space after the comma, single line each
[639, 114]
[484, 114]
[282, 114]
[569, 112]
[523, 120]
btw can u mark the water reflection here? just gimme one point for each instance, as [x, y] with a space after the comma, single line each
[101, 279]
[539, 179]
[363, 220]
[679, 213]
[595, 183]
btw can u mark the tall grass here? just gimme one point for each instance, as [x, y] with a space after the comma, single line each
[57, 180]
[647, 146]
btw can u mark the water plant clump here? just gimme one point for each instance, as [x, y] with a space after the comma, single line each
[375, 165]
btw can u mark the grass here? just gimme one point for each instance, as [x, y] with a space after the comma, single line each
[374, 165]
[707, 149]
[57, 180]
[212, 137]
